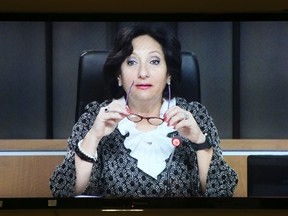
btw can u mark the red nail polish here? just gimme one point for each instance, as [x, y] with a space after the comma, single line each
[128, 110]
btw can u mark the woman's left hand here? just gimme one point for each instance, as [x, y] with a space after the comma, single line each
[184, 122]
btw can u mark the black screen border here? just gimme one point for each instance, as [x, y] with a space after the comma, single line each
[149, 17]
[144, 203]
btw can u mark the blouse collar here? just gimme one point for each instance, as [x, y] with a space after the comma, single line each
[150, 148]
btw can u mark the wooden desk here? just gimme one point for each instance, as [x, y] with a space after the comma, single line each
[27, 165]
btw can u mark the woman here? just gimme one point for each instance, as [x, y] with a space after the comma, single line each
[123, 147]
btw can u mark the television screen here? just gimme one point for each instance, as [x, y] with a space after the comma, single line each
[242, 62]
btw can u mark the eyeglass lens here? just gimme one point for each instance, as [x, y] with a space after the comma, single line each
[152, 120]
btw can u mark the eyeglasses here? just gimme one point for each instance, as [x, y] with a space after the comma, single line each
[156, 121]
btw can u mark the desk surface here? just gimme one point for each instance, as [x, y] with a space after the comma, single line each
[226, 144]
[41, 157]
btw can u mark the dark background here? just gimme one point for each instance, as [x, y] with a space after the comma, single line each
[243, 67]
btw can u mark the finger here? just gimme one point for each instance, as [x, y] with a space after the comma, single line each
[171, 113]
[173, 120]
[177, 119]
[186, 115]
[106, 109]
[115, 116]
[117, 107]
[175, 115]
[181, 124]
[112, 123]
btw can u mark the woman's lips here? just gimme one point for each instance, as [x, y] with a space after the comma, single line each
[143, 86]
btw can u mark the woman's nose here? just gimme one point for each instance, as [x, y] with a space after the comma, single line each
[143, 71]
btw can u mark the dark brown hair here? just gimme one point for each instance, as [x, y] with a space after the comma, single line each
[123, 48]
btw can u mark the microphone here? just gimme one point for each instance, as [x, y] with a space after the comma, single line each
[176, 141]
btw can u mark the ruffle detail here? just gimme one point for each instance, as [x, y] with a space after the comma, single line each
[150, 148]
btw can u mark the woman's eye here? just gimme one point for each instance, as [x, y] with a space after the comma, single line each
[155, 61]
[131, 62]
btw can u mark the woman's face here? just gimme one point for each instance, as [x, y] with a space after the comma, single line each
[146, 66]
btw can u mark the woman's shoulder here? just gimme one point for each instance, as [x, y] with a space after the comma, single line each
[189, 105]
[94, 106]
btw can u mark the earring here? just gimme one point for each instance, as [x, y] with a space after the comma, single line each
[169, 91]
[169, 81]
[119, 82]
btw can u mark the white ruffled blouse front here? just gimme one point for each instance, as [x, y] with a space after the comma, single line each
[150, 148]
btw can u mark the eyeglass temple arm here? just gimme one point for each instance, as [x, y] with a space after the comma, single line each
[169, 95]
[128, 93]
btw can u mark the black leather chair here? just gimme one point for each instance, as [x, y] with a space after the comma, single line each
[91, 81]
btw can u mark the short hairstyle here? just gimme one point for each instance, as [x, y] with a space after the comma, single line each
[123, 48]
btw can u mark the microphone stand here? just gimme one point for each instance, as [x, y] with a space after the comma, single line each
[176, 141]
[168, 173]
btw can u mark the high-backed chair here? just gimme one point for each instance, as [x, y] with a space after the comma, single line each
[91, 81]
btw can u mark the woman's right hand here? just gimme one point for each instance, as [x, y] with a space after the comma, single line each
[105, 122]
[108, 118]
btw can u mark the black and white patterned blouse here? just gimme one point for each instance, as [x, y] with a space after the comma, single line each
[115, 172]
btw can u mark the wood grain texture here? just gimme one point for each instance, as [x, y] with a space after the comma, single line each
[28, 176]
